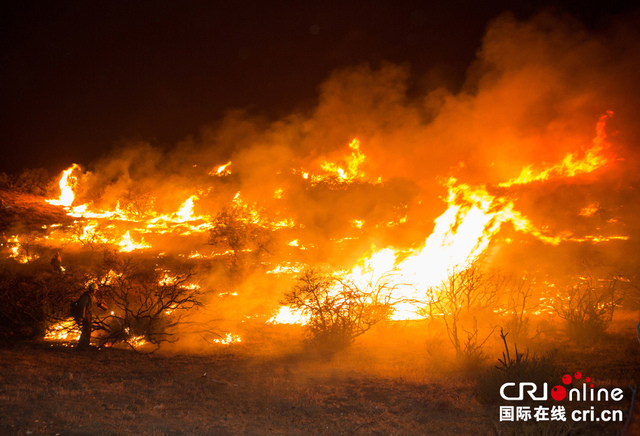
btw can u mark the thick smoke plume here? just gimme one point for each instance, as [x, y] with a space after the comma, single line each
[534, 94]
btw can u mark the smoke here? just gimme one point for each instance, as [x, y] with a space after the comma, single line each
[534, 94]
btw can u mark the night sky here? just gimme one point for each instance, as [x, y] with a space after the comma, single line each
[78, 77]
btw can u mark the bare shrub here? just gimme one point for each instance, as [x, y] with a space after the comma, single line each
[240, 233]
[149, 303]
[338, 310]
[587, 308]
[520, 302]
[463, 293]
[137, 202]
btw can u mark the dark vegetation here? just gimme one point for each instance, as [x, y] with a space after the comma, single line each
[36, 181]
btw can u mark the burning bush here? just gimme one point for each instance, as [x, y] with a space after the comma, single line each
[587, 308]
[238, 232]
[338, 310]
[149, 303]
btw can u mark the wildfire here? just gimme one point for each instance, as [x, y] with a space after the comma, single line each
[572, 164]
[222, 170]
[345, 172]
[288, 316]
[589, 210]
[136, 341]
[470, 221]
[67, 185]
[461, 234]
[127, 244]
[185, 213]
[63, 331]
[228, 339]
[287, 268]
[18, 252]
[357, 223]
[352, 169]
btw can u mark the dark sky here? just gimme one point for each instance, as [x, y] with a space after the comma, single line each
[77, 77]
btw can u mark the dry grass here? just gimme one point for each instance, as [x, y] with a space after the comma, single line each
[52, 389]
[385, 384]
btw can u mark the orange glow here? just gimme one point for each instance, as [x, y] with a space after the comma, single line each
[67, 184]
[572, 164]
[127, 244]
[288, 316]
[352, 167]
[17, 252]
[471, 218]
[343, 173]
[228, 339]
[185, 213]
[462, 233]
[222, 170]
[63, 331]
[589, 210]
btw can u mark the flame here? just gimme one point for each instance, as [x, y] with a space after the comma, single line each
[136, 341]
[185, 213]
[572, 164]
[287, 315]
[67, 185]
[472, 217]
[17, 252]
[353, 162]
[227, 339]
[63, 331]
[287, 268]
[254, 216]
[357, 223]
[127, 244]
[461, 234]
[222, 170]
[342, 173]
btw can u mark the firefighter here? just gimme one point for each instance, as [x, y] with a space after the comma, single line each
[83, 316]
[56, 263]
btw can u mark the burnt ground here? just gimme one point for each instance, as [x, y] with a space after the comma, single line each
[51, 389]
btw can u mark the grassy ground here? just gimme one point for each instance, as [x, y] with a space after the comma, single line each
[375, 388]
[58, 390]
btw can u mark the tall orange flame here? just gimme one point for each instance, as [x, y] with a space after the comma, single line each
[572, 164]
[67, 185]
